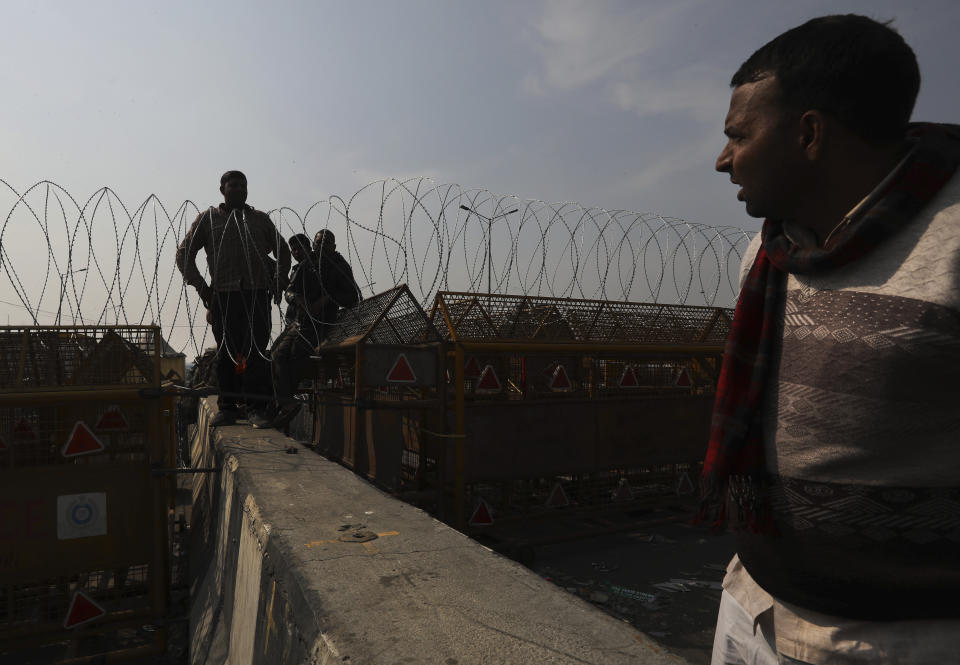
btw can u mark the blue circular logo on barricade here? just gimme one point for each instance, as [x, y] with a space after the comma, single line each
[82, 512]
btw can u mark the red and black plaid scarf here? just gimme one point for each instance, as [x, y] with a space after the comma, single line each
[735, 463]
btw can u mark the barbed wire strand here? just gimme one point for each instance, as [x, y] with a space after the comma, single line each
[110, 257]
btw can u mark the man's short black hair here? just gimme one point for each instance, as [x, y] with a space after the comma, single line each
[851, 67]
[231, 174]
[301, 240]
[323, 237]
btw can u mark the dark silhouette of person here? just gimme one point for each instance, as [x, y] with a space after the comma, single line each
[238, 241]
[321, 283]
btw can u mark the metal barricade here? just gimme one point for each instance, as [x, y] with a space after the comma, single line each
[83, 537]
[379, 379]
[601, 399]
[502, 399]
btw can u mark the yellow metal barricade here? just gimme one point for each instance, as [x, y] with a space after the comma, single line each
[560, 399]
[84, 525]
[379, 372]
[523, 402]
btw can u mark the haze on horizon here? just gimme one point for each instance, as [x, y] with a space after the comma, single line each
[616, 105]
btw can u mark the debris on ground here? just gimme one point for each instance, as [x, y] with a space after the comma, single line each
[670, 587]
[633, 594]
[659, 583]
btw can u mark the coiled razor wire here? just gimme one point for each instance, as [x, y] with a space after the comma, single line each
[100, 261]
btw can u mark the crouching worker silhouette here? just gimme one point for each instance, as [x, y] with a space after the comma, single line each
[321, 283]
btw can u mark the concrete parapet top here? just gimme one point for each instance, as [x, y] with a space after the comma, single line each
[396, 585]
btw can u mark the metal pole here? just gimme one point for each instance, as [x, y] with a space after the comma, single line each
[63, 290]
[60, 304]
[490, 221]
[489, 254]
[459, 491]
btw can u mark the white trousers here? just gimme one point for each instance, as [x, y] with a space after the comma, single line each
[737, 643]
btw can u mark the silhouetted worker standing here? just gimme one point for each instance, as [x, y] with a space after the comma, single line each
[238, 241]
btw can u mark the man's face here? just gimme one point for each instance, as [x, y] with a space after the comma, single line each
[296, 251]
[325, 244]
[764, 154]
[234, 192]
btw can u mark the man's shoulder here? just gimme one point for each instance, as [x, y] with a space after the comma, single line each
[206, 213]
[258, 214]
[260, 219]
[307, 267]
[338, 257]
[749, 256]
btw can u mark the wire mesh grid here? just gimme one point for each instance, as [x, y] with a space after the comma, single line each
[468, 318]
[420, 450]
[81, 357]
[404, 322]
[590, 491]
[417, 468]
[391, 317]
[337, 378]
[46, 601]
[478, 317]
[335, 373]
[356, 321]
[409, 465]
[620, 376]
[179, 560]
[530, 374]
[398, 393]
[37, 435]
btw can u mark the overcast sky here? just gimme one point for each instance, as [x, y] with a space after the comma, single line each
[618, 105]
[615, 105]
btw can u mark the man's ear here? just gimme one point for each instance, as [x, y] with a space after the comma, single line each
[813, 132]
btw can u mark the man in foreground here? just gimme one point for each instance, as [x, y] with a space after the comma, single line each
[238, 241]
[833, 449]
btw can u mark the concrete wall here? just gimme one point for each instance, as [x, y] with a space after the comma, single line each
[297, 560]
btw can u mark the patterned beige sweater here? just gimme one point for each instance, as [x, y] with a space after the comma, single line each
[862, 430]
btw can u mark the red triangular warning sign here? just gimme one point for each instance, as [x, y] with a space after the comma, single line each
[339, 382]
[482, 516]
[488, 383]
[471, 369]
[83, 609]
[558, 498]
[629, 378]
[82, 441]
[112, 420]
[683, 378]
[401, 372]
[623, 492]
[24, 430]
[560, 380]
